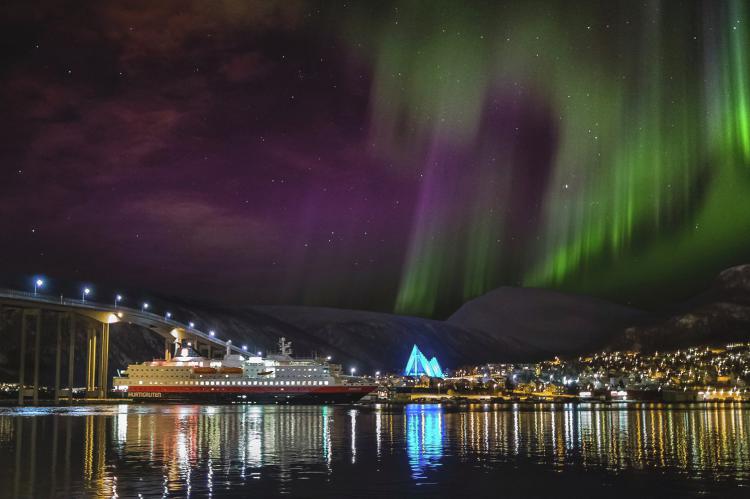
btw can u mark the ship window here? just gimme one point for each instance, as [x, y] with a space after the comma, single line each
[326, 382]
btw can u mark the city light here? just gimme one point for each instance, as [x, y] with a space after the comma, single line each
[84, 293]
[244, 347]
[168, 315]
[377, 374]
[212, 333]
[144, 307]
[191, 324]
[38, 284]
[328, 357]
[352, 370]
[118, 299]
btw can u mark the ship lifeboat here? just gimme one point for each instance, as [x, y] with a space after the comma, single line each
[230, 370]
[204, 370]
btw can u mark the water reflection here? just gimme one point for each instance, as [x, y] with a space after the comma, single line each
[176, 451]
[424, 437]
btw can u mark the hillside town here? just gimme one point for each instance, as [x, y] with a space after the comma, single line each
[688, 375]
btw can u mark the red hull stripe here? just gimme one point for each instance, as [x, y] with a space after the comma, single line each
[251, 389]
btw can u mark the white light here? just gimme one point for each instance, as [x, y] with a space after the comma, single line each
[377, 373]
[212, 333]
[352, 370]
[192, 324]
[169, 315]
[260, 354]
[38, 284]
[118, 297]
[145, 306]
[86, 291]
[328, 358]
[244, 347]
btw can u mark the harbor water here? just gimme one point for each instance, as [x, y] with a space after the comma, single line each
[544, 450]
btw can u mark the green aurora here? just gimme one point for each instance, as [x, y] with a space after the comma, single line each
[647, 181]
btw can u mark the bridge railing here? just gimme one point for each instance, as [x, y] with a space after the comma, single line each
[93, 305]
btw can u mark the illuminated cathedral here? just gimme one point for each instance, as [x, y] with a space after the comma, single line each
[418, 365]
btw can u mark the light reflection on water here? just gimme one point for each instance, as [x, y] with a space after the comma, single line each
[178, 451]
[424, 438]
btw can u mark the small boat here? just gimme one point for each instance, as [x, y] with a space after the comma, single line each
[230, 370]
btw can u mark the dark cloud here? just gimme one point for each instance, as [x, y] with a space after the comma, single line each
[203, 149]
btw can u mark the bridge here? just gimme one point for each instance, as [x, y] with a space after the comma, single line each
[95, 320]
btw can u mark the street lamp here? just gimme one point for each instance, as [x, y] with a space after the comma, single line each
[260, 354]
[212, 333]
[38, 284]
[144, 307]
[191, 324]
[352, 370]
[118, 299]
[328, 358]
[168, 315]
[377, 374]
[244, 347]
[85, 293]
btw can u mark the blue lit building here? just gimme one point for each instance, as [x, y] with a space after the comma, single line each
[418, 365]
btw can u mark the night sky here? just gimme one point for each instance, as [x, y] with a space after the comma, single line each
[389, 156]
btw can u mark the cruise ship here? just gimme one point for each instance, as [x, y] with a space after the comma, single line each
[276, 379]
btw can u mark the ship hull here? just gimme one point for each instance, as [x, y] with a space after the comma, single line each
[247, 395]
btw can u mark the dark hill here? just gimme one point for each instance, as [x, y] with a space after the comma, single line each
[719, 315]
[384, 341]
[548, 321]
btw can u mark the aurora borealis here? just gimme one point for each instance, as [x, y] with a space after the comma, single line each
[396, 156]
